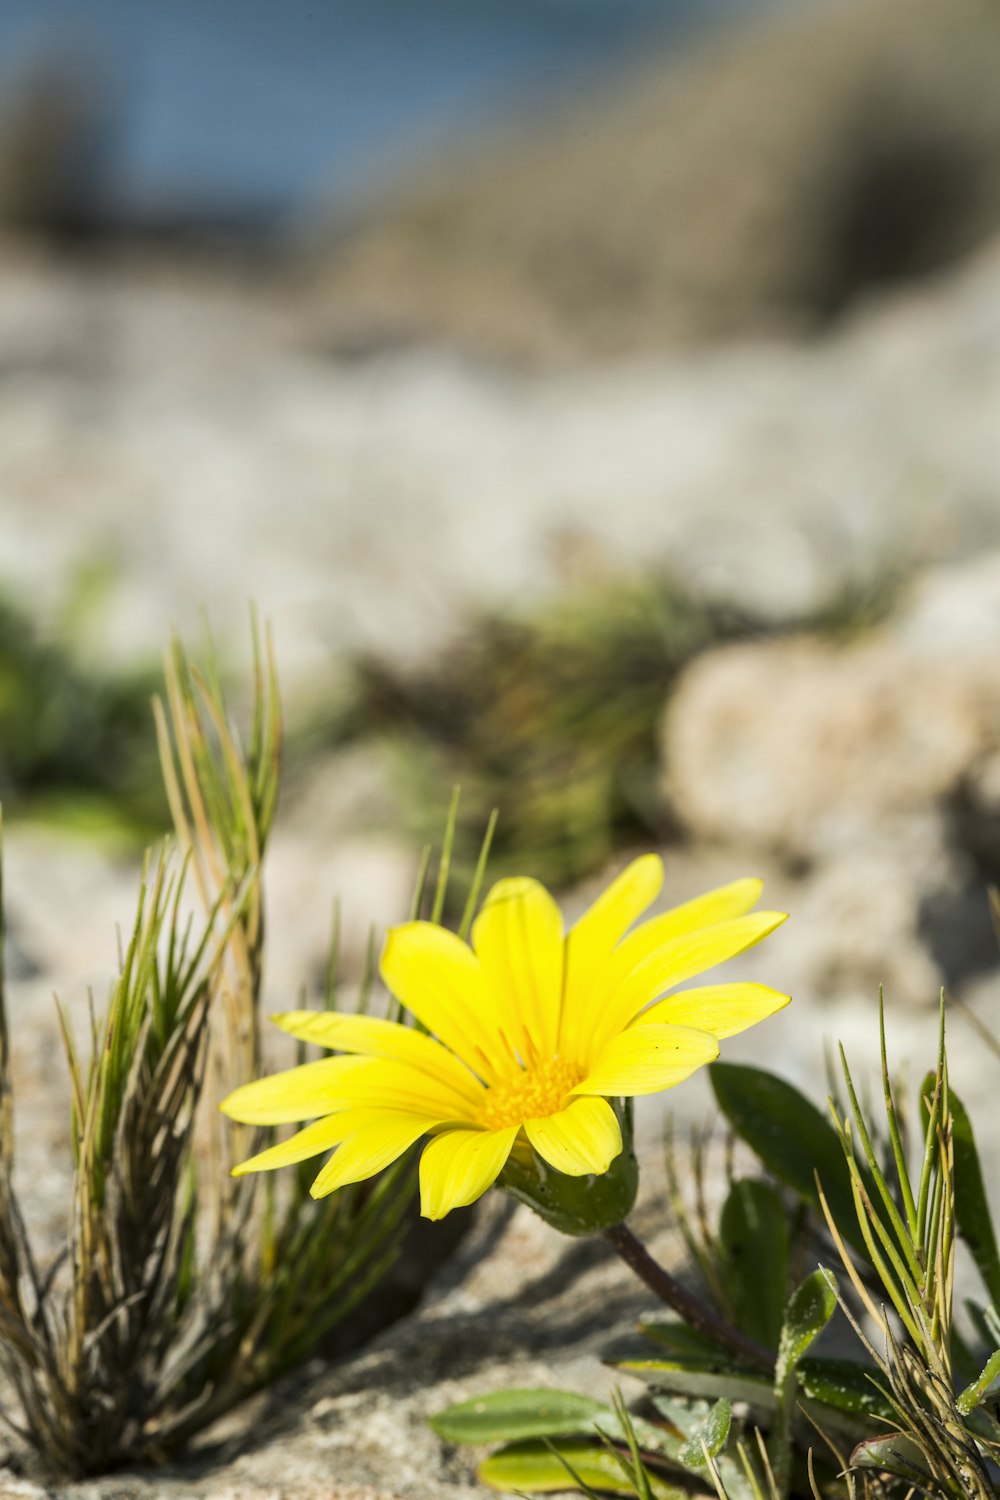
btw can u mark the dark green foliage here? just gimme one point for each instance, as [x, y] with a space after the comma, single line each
[552, 714]
[74, 741]
[790, 1136]
[753, 1240]
[972, 1209]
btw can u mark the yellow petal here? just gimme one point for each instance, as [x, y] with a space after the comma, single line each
[440, 980]
[311, 1141]
[671, 964]
[335, 1083]
[584, 1137]
[722, 1009]
[646, 1059]
[723, 904]
[377, 1038]
[518, 936]
[376, 1145]
[457, 1167]
[296, 1094]
[592, 939]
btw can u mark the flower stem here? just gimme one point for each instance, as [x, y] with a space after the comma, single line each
[694, 1312]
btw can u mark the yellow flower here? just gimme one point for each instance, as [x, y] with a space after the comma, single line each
[527, 1031]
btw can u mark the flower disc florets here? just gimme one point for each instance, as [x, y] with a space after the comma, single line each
[531, 1093]
[527, 1034]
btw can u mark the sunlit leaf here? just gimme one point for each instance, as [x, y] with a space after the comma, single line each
[710, 1434]
[507, 1416]
[985, 1388]
[534, 1468]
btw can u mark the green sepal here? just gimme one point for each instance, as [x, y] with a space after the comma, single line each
[576, 1205]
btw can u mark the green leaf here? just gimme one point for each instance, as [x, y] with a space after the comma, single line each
[753, 1232]
[688, 1378]
[843, 1384]
[792, 1138]
[506, 1416]
[895, 1453]
[980, 1391]
[680, 1339]
[535, 1468]
[711, 1433]
[512, 1416]
[972, 1209]
[810, 1308]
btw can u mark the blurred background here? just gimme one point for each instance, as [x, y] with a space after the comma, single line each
[601, 398]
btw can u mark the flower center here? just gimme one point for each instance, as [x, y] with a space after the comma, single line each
[529, 1094]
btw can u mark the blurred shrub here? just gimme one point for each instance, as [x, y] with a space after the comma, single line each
[74, 740]
[552, 716]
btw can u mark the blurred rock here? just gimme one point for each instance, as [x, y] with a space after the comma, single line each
[870, 771]
[370, 879]
[807, 748]
[954, 613]
[766, 180]
[168, 420]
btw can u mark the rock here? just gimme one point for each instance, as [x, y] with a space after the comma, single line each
[954, 612]
[764, 180]
[807, 747]
[870, 770]
[370, 880]
[520, 1306]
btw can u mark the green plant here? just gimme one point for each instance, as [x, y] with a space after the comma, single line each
[917, 1411]
[181, 1289]
[74, 741]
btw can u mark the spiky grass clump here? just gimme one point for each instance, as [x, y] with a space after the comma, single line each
[181, 1290]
